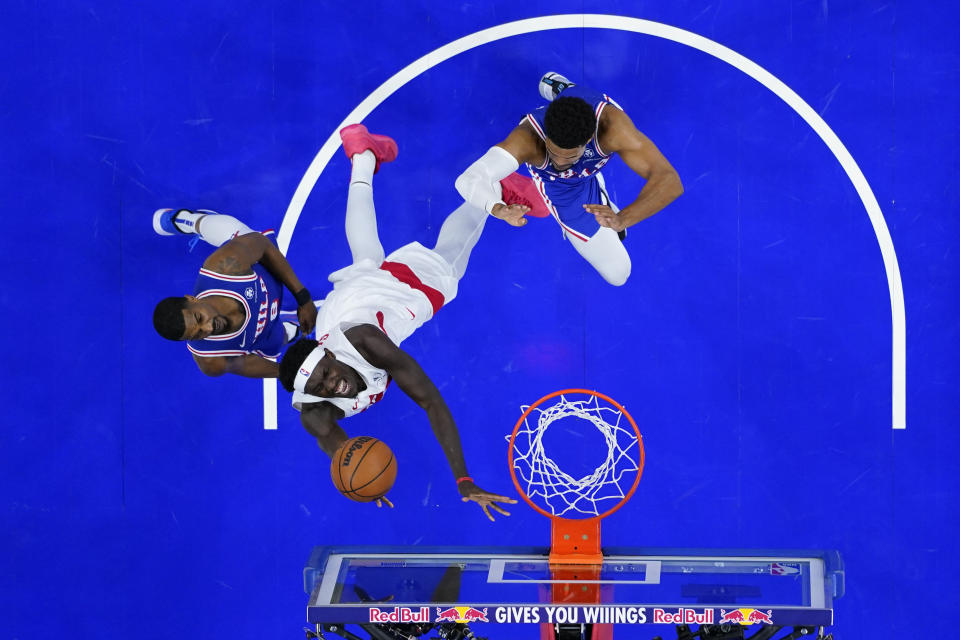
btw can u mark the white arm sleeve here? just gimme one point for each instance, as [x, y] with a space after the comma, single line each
[480, 183]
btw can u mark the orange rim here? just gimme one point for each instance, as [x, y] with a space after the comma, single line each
[522, 420]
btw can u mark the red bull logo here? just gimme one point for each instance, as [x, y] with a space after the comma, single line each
[746, 616]
[400, 614]
[683, 616]
[461, 615]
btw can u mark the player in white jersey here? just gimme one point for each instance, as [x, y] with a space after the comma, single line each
[375, 304]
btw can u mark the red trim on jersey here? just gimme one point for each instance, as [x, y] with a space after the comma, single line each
[214, 354]
[538, 181]
[405, 274]
[221, 276]
[380, 319]
[228, 294]
[596, 134]
[612, 101]
[536, 126]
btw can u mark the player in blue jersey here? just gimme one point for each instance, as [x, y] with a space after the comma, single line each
[564, 145]
[233, 322]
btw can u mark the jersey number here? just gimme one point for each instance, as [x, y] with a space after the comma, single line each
[374, 399]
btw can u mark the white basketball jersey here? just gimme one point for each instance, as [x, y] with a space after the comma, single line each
[397, 296]
[375, 379]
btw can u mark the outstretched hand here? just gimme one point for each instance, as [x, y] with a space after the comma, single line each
[511, 213]
[487, 501]
[307, 315]
[384, 501]
[606, 217]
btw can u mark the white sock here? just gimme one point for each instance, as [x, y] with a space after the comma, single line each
[218, 229]
[364, 165]
[361, 222]
[459, 234]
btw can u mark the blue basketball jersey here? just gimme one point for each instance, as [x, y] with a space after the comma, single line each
[261, 296]
[565, 192]
[593, 157]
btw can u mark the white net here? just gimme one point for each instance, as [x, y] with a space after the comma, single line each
[559, 492]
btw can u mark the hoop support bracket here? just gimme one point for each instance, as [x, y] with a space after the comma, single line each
[575, 541]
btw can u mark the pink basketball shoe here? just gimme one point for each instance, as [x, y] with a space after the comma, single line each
[356, 139]
[520, 190]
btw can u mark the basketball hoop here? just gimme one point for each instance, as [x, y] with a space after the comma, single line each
[576, 505]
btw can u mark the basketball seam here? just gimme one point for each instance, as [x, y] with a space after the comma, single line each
[340, 466]
[387, 466]
[360, 462]
[341, 451]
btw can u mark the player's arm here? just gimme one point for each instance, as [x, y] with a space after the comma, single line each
[379, 351]
[663, 186]
[320, 421]
[480, 183]
[238, 256]
[248, 366]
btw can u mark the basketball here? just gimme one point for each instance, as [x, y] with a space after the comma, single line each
[363, 469]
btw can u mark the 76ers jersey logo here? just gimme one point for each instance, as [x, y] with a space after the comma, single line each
[267, 309]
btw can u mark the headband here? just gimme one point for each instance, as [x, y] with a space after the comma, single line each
[306, 369]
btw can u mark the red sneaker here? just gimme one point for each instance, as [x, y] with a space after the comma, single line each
[356, 139]
[520, 190]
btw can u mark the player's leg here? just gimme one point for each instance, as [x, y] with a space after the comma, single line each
[212, 227]
[606, 253]
[458, 236]
[366, 152]
[361, 221]
[600, 246]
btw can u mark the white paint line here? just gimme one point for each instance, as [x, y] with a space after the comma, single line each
[269, 403]
[657, 29]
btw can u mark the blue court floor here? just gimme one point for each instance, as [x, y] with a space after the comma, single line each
[756, 342]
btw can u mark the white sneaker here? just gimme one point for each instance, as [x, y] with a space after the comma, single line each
[551, 84]
[164, 222]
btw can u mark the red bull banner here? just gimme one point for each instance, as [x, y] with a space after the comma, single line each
[569, 614]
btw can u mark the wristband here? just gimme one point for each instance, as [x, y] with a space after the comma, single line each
[464, 479]
[302, 297]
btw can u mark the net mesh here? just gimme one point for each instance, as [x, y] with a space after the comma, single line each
[559, 492]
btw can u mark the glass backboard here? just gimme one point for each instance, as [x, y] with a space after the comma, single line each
[517, 585]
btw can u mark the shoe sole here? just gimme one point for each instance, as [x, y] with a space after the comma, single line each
[515, 187]
[157, 216]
